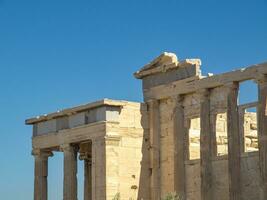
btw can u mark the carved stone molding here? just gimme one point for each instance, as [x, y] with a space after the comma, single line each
[42, 153]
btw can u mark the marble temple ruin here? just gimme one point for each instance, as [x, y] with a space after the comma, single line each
[190, 136]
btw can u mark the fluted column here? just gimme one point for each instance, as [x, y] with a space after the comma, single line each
[180, 133]
[87, 179]
[70, 172]
[206, 147]
[40, 173]
[154, 125]
[262, 132]
[85, 155]
[234, 149]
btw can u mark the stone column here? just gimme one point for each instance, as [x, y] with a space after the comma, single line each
[87, 179]
[179, 147]
[234, 149]
[99, 181]
[70, 172]
[154, 125]
[262, 134]
[40, 173]
[85, 155]
[205, 147]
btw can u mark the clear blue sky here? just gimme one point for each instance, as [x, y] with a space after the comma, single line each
[57, 54]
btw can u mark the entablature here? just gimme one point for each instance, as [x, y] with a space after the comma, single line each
[101, 111]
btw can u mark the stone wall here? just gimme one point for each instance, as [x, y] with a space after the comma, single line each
[127, 154]
[249, 177]
[166, 108]
[191, 104]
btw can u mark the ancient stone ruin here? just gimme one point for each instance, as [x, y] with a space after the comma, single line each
[191, 136]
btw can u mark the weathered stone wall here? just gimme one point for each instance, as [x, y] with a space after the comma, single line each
[249, 171]
[166, 108]
[99, 168]
[191, 103]
[127, 154]
[250, 134]
[219, 174]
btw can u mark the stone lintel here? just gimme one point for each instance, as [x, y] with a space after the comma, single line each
[74, 110]
[104, 113]
[186, 86]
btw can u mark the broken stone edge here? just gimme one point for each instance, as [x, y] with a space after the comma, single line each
[163, 63]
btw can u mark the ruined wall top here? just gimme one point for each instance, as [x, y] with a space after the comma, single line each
[166, 76]
[166, 68]
[165, 62]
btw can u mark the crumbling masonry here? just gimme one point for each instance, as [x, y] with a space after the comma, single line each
[190, 136]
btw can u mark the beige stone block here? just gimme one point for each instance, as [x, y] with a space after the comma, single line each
[45, 127]
[77, 120]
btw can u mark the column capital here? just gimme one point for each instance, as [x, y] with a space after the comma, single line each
[67, 147]
[85, 156]
[152, 101]
[42, 153]
[85, 151]
[179, 98]
[204, 94]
